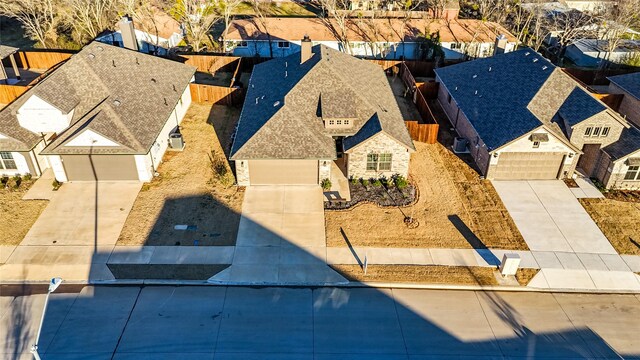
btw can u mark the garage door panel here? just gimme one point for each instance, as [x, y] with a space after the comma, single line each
[528, 166]
[283, 172]
[100, 167]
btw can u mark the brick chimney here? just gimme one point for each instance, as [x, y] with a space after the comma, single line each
[305, 49]
[500, 46]
[128, 33]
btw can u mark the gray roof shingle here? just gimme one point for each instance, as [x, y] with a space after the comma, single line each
[511, 94]
[121, 94]
[629, 83]
[281, 116]
[6, 51]
[628, 143]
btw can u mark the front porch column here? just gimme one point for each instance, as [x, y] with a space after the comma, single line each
[14, 66]
[3, 74]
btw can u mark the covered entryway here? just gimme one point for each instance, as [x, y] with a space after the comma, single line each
[589, 158]
[528, 166]
[283, 172]
[100, 167]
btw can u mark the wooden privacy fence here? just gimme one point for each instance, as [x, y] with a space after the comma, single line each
[40, 59]
[612, 100]
[424, 132]
[427, 133]
[8, 93]
[211, 63]
[216, 94]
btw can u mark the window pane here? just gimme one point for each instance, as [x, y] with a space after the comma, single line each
[605, 131]
[587, 131]
[1, 166]
[10, 165]
[6, 155]
[596, 131]
[631, 173]
[385, 162]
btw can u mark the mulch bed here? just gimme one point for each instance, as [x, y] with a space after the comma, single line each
[383, 196]
[623, 195]
[571, 183]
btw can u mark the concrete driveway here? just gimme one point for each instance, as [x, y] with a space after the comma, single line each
[281, 238]
[75, 234]
[550, 218]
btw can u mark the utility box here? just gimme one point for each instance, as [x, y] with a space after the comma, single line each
[175, 141]
[509, 264]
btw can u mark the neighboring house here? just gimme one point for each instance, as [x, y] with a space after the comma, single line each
[394, 9]
[629, 86]
[523, 118]
[595, 7]
[163, 33]
[308, 110]
[378, 38]
[105, 114]
[592, 52]
[620, 163]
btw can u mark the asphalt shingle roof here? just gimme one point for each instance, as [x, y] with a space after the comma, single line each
[628, 143]
[121, 94]
[281, 116]
[629, 83]
[579, 106]
[511, 94]
[6, 51]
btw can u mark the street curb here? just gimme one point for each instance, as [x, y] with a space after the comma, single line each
[375, 285]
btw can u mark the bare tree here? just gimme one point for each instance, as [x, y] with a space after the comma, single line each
[91, 17]
[495, 10]
[227, 8]
[144, 14]
[616, 22]
[337, 18]
[569, 26]
[38, 17]
[197, 16]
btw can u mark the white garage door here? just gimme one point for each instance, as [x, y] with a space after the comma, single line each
[528, 166]
[283, 172]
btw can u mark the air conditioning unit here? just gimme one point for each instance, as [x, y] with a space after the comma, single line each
[175, 141]
[460, 145]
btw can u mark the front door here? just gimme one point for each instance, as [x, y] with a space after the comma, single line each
[339, 148]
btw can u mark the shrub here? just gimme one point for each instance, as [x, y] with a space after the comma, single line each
[326, 184]
[26, 177]
[400, 181]
[17, 181]
[364, 182]
[353, 180]
[384, 181]
[4, 180]
[376, 182]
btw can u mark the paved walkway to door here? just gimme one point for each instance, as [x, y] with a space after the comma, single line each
[281, 239]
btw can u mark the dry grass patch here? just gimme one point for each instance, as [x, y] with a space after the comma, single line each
[429, 274]
[618, 221]
[18, 215]
[195, 187]
[455, 209]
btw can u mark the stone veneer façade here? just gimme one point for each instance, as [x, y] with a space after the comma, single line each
[379, 144]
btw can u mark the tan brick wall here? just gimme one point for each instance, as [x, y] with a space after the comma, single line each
[379, 144]
[630, 106]
[600, 120]
[242, 172]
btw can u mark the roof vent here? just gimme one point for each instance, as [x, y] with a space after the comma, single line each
[174, 87]
[113, 62]
[257, 100]
[285, 73]
[544, 67]
[456, 88]
[116, 102]
[475, 76]
[489, 68]
[100, 48]
[535, 59]
[154, 80]
[476, 92]
[276, 103]
[165, 102]
[527, 53]
[91, 56]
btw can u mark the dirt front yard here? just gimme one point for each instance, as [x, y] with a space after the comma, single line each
[455, 209]
[17, 215]
[619, 221]
[194, 189]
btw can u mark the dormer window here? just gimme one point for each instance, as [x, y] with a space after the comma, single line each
[332, 122]
[346, 121]
[338, 122]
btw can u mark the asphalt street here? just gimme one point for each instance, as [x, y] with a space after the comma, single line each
[216, 322]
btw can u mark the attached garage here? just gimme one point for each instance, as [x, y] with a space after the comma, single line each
[283, 172]
[100, 167]
[528, 166]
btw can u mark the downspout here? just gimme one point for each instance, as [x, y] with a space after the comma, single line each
[34, 158]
